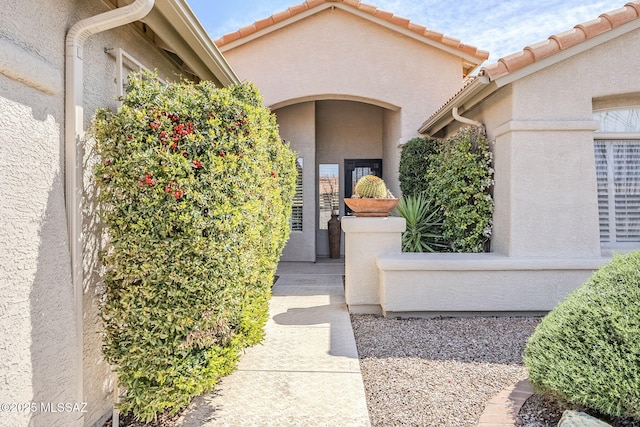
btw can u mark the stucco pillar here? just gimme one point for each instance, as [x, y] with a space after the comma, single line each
[365, 240]
[545, 190]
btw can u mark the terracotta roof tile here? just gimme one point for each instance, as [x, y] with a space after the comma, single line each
[634, 5]
[621, 16]
[370, 9]
[417, 28]
[249, 29]
[298, 8]
[543, 49]
[450, 41]
[263, 23]
[399, 21]
[561, 41]
[568, 38]
[383, 14]
[594, 27]
[281, 16]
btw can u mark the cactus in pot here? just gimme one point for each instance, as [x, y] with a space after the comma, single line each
[371, 197]
[370, 186]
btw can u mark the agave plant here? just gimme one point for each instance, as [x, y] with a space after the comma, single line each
[424, 224]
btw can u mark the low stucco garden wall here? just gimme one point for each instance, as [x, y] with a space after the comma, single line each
[380, 279]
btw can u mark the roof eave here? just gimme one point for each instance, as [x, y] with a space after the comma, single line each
[466, 99]
[561, 55]
[470, 61]
[175, 23]
[474, 93]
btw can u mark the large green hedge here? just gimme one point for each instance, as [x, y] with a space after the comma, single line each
[460, 177]
[454, 178]
[414, 164]
[195, 189]
[587, 350]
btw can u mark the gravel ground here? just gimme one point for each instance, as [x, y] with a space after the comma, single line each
[441, 371]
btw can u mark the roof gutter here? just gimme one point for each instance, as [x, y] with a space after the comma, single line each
[462, 101]
[459, 118]
[74, 137]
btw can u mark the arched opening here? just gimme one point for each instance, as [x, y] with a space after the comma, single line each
[324, 133]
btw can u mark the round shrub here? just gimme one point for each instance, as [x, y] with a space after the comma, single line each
[587, 350]
[195, 189]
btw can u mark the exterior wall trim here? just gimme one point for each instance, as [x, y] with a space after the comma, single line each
[546, 126]
[28, 68]
[335, 97]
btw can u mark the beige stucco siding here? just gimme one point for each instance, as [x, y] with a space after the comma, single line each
[545, 191]
[39, 347]
[297, 126]
[37, 339]
[335, 54]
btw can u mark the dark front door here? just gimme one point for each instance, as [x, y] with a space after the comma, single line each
[354, 169]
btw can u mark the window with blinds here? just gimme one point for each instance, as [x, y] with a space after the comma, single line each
[617, 154]
[296, 209]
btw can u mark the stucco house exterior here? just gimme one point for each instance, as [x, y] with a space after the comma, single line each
[349, 83]
[76, 51]
[564, 118]
[564, 115]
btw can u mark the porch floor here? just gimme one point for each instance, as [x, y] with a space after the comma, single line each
[306, 372]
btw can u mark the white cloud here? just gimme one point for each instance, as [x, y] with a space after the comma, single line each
[501, 27]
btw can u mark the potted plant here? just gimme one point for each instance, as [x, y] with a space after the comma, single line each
[371, 198]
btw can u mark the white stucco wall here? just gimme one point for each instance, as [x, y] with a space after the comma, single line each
[39, 348]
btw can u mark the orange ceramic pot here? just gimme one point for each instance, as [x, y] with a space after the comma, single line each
[371, 207]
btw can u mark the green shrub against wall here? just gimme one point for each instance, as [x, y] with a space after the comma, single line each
[195, 191]
[587, 350]
[460, 177]
[424, 223]
[455, 179]
[414, 164]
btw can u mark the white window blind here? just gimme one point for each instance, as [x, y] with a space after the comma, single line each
[296, 209]
[617, 155]
[618, 176]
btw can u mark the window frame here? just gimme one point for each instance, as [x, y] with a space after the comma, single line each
[610, 139]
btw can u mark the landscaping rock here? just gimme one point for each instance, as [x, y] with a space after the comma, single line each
[580, 419]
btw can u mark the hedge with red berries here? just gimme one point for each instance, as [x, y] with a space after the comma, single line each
[195, 189]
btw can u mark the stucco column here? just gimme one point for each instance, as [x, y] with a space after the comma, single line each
[545, 189]
[365, 240]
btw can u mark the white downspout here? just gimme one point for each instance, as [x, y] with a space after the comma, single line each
[465, 120]
[74, 137]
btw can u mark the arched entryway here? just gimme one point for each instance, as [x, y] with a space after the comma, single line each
[324, 133]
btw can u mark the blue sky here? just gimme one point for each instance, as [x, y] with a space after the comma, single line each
[499, 26]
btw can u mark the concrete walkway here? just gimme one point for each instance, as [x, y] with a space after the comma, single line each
[306, 372]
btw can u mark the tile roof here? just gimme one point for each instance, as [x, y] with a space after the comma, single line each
[532, 54]
[399, 21]
[561, 41]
